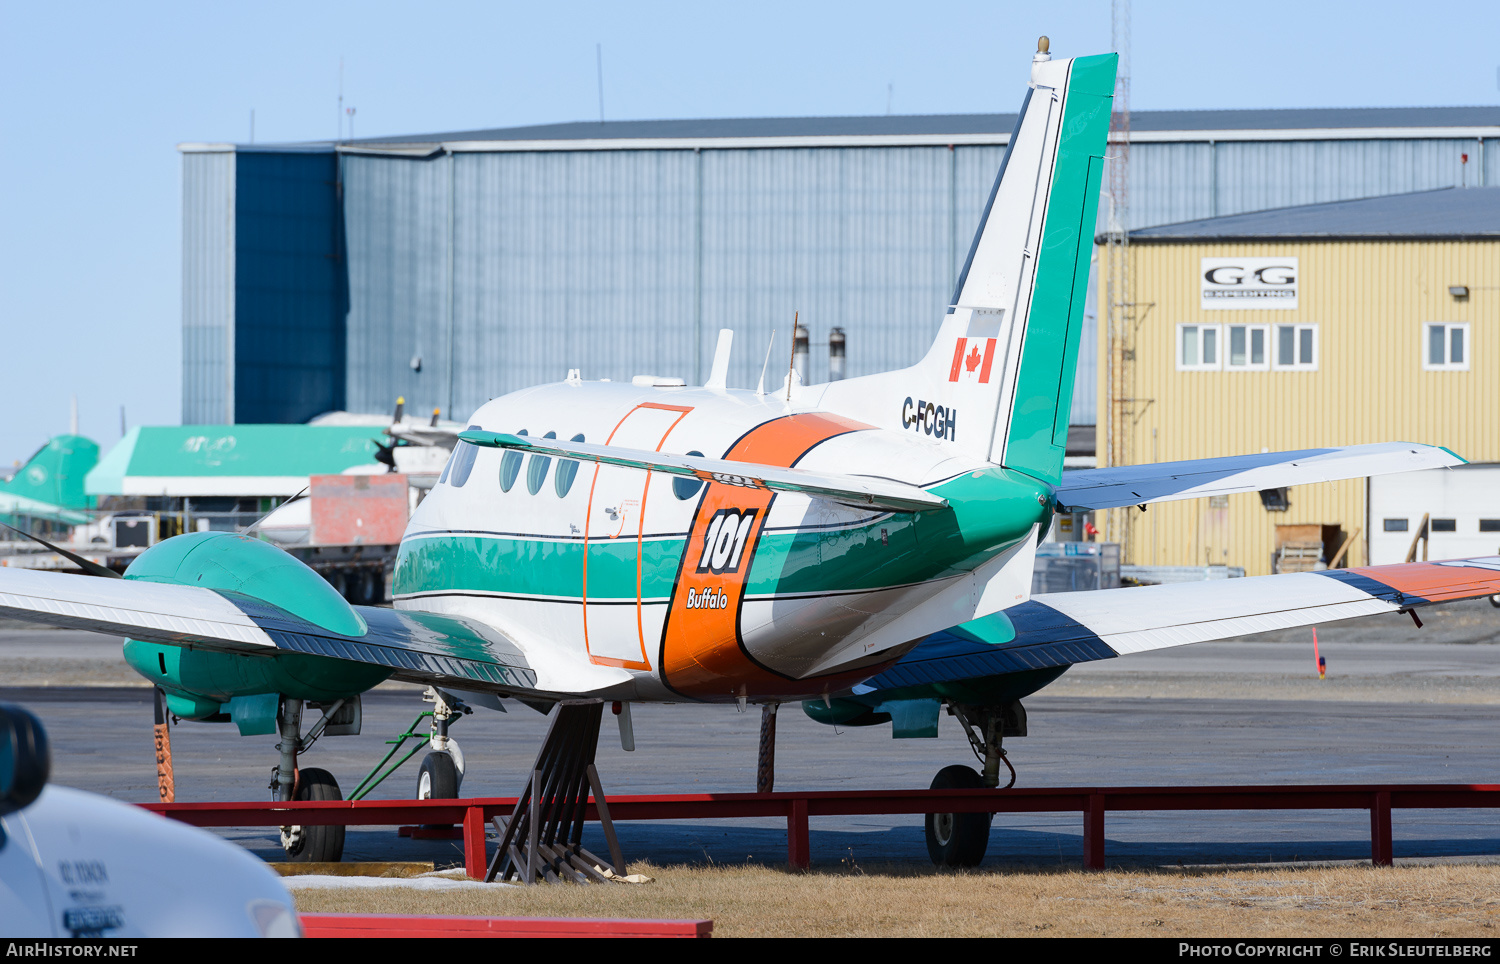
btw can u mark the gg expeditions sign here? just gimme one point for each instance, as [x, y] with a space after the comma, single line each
[1248, 282]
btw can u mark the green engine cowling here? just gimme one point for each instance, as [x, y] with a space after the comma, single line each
[203, 685]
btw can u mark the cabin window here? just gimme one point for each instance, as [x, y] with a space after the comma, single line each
[1446, 347]
[562, 479]
[685, 488]
[536, 468]
[462, 464]
[510, 466]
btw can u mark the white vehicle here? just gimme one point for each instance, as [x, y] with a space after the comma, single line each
[75, 864]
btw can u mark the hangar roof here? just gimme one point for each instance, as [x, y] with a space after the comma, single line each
[1140, 122]
[1453, 213]
[1323, 123]
[237, 460]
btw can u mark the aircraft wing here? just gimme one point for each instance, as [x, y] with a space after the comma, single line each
[419, 647]
[1111, 488]
[1057, 629]
[862, 491]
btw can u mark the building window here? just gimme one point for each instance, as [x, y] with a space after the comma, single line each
[1489, 525]
[1297, 347]
[1445, 347]
[1444, 525]
[1198, 348]
[1248, 350]
[1395, 525]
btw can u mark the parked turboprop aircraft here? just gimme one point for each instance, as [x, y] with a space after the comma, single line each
[865, 545]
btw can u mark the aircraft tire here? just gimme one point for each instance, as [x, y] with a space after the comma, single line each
[957, 839]
[438, 778]
[315, 844]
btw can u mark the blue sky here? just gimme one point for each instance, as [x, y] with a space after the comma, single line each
[94, 98]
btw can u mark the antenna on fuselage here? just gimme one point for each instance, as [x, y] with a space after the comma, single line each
[760, 386]
[718, 374]
[791, 362]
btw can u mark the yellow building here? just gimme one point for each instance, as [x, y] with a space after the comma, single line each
[1360, 321]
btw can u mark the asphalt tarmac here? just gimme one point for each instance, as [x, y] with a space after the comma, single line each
[1215, 713]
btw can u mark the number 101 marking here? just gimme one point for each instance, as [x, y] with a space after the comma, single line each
[725, 542]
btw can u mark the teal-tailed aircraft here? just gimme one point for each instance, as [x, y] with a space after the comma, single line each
[864, 545]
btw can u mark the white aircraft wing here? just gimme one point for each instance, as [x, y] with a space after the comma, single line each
[1118, 486]
[862, 491]
[418, 647]
[1058, 629]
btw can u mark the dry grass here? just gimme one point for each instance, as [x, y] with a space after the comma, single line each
[755, 901]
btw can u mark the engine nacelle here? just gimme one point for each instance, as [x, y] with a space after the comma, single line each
[200, 684]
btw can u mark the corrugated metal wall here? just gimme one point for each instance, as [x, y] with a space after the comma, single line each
[629, 262]
[208, 288]
[1171, 182]
[1370, 302]
[497, 271]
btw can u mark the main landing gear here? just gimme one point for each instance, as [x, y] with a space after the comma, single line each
[310, 843]
[961, 839]
[442, 770]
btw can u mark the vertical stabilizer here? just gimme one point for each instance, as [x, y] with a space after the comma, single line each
[998, 381]
[54, 475]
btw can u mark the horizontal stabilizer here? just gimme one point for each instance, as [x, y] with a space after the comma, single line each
[1059, 629]
[1125, 485]
[861, 491]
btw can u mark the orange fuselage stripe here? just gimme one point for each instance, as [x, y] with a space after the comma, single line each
[702, 652]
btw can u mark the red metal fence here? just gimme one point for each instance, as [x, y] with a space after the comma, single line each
[402, 925]
[796, 807]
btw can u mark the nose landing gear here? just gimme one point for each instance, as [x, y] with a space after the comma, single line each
[961, 839]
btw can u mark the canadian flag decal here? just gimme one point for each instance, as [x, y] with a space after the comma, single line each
[969, 362]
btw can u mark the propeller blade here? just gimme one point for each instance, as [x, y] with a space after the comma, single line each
[256, 525]
[92, 568]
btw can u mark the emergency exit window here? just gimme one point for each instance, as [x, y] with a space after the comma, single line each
[1446, 347]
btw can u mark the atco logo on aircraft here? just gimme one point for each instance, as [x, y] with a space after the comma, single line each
[1249, 282]
[724, 543]
[929, 419]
